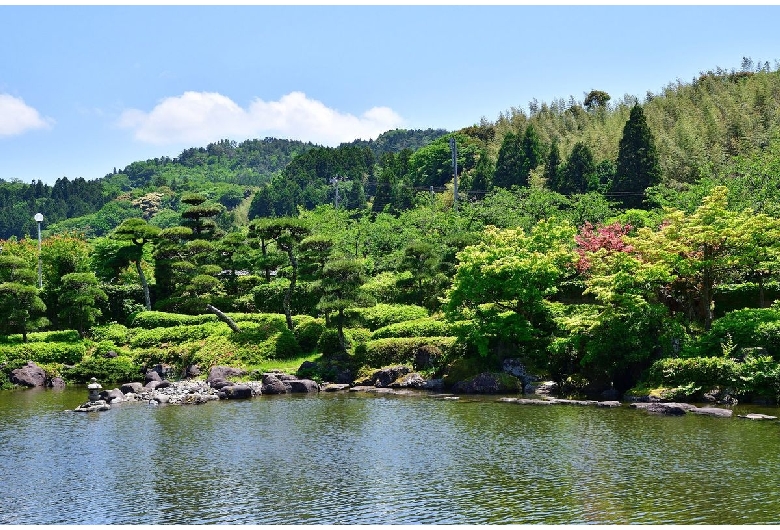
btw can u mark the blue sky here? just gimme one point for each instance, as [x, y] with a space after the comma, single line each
[84, 89]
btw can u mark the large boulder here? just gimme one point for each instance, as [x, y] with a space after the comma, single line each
[410, 380]
[114, 395]
[487, 383]
[223, 373]
[191, 371]
[152, 375]
[132, 388]
[30, 375]
[273, 385]
[57, 382]
[386, 376]
[303, 386]
[236, 392]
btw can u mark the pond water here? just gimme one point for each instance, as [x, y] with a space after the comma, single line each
[358, 458]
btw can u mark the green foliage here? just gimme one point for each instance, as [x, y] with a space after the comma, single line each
[286, 346]
[329, 343]
[422, 327]
[147, 338]
[382, 315]
[746, 328]
[44, 352]
[308, 331]
[385, 352]
[106, 370]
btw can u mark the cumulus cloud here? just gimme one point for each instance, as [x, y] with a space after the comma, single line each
[202, 117]
[16, 117]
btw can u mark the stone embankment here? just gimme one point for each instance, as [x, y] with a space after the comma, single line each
[156, 390]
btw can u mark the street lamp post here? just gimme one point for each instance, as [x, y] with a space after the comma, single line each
[39, 219]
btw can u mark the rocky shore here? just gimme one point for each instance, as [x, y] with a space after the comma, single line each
[220, 384]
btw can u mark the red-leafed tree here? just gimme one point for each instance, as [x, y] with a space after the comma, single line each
[594, 238]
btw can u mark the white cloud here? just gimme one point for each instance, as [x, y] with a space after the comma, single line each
[201, 117]
[16, 117]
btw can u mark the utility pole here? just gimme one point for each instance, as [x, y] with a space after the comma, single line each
[454, 148]
[39, 219]
[335, 182]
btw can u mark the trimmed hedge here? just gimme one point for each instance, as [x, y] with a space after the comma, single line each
[382, 315]
[106, 370]
[385, 352]
[44, 352]
[421, 327]
[160, 319]
[146, 338]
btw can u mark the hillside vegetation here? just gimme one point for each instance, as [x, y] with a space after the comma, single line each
[606, 244]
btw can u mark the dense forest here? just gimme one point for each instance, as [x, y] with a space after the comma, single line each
[610, 245]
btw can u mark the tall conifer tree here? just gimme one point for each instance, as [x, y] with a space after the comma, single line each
[637, 163]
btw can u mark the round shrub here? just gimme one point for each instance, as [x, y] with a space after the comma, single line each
[105, 370]
[381, 315]
[287, 346]
[308, 333]
[328, 342]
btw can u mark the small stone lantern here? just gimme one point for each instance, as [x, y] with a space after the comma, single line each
[94, 389]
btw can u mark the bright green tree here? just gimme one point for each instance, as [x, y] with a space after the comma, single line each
[503, 283]
[79, 298]
[21, 308]
[139, 233]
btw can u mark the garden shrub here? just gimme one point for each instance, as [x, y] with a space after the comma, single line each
[382, 315]
[116, 333]
[177, 334]
[160, 319]
[105, 370]
[328, 342]
[286, 346]
[703, 372]
[357, 336]
[385, 352]
[307, 331]
[269, 297]
[45, 352]
[746, 328]
[421, 327]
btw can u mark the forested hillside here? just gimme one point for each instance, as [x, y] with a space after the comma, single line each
[604, 243]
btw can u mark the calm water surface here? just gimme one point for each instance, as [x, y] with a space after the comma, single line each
[379, 459]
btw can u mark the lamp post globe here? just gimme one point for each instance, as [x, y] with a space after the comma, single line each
[39, 219]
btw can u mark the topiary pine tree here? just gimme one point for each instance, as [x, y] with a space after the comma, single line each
[637, 163]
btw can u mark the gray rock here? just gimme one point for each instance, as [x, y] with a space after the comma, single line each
[669, 409]
[757, 417]
[152, 375]
[433, 384]
[132, 388]
[335, 387]
[542, 388]
[30, 375]
[191, 371]
[513, 367]
[386, 376]
[273, 385]
[219, 384]
[111, 396]
[411, 380]
[224, 373]
[303, 386]
[484, 383]
[237, 392]
[93, 406]
[712, 411]
[152, 385]
[56, 382]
